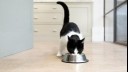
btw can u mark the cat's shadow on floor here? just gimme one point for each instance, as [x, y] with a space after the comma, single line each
[60, 57]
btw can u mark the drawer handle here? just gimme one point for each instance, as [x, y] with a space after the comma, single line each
[35, 18]
[35, 30]
[35, 8]
[54, 31]
[54, 8]
[54, 18]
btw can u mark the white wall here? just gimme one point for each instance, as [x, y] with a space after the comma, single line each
[15, 26]
[98, 26]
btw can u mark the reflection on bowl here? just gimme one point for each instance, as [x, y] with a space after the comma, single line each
[74, 58]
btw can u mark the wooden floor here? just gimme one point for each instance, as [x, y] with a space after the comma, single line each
[103, 57]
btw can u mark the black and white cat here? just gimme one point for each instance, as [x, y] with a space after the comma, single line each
[71, 38]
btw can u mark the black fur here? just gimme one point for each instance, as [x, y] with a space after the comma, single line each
[66, 11]
[67, 26]
[73, 41]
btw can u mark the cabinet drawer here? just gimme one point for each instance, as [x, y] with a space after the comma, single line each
[47, 7]
[48, 18]
[47, 32]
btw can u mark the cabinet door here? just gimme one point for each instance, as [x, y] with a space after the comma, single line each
[48, 18]
[47, 33]
[46, 7]
[81, 15]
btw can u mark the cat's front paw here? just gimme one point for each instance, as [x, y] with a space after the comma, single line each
[59, 55]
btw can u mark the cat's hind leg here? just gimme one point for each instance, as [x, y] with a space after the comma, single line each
[61, 51]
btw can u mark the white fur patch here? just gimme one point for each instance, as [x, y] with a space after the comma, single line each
[64, 40]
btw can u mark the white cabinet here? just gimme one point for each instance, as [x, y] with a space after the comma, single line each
[48, 19]
[46, 7]
[47, 32]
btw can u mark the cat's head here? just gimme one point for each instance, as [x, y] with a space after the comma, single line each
[75, 43]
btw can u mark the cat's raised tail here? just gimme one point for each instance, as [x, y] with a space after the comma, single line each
[66, 12]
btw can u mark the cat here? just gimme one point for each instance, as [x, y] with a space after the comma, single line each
[70, 36]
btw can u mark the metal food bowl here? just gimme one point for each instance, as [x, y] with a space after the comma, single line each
[74, 58]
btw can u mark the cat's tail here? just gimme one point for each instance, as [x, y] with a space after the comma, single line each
[66, 12]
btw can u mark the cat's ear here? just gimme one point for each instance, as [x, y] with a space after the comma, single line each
[69, 38]
[82, 41]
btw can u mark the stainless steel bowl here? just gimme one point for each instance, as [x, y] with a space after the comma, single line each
[74, 58]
